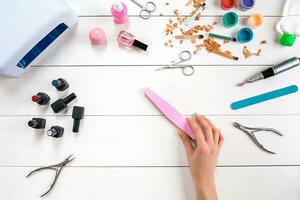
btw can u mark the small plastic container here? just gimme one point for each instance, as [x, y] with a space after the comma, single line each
[245, 35]
[245, 5]
[230, 19]
[289, 27]
[227, 4]
[254, 21]
[97, 36]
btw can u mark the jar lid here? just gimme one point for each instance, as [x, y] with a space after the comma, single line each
[287, 39]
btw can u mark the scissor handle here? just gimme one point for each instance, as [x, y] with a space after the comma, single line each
[188, 70]
[145, 14]
[185, 55]
[150, 6]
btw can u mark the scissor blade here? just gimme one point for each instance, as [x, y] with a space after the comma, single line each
[169, 112]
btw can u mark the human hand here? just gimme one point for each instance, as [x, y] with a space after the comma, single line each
[202, 155]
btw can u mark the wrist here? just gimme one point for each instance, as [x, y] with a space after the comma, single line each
[206, 190]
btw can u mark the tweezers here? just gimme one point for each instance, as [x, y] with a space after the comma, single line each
[251, 133]
[57, 168]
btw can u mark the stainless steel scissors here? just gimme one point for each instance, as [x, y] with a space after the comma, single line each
[147, 9]
[184, 56]
[251, 133]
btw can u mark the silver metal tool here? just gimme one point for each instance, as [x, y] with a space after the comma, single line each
[272, 71]
[184, 56]
[57, 168]
[251, 133]
[147, 9]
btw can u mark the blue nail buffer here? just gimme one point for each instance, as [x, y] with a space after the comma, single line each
[264, 97]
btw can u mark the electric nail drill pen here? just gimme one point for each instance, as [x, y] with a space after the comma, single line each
[272, 71]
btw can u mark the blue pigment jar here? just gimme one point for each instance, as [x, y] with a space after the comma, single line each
[245, 35]
[245, 5]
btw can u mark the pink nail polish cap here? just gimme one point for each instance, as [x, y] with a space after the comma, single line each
[120, 13]
[97, 36]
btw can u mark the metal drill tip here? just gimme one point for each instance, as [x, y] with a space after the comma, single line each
[241, 84]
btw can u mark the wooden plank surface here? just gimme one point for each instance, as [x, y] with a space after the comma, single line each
[109, 90]
[143, 141]
[102, 8]
[274, 183]
[75, 49]
[125, 145]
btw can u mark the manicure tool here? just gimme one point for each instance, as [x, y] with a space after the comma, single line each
[264, 97]
[225, 55]
[184, 56]
[57, 168]
[169, 112]
[272, 71]
[147, 9]
[28, 35]
[251, 133]
[213, 35]
[191, 37]
[196, 13]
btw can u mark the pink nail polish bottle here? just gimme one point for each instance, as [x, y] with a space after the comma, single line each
[128, 40]
[120, 13]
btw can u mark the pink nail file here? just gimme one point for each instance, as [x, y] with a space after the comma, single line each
[169, 112]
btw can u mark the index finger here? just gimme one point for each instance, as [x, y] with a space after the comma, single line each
[196, 130]
[206, 119]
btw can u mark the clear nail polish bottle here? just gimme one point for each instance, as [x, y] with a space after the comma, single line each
[128, 40]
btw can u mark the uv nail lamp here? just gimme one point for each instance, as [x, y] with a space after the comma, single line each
[28, 28]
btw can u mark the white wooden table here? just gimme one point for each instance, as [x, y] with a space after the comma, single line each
[126, 149]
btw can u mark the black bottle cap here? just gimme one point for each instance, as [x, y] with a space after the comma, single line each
[140, 45]
[55, 131]
[69, 98]
[77, 115]
[33, 123]
[37, 123]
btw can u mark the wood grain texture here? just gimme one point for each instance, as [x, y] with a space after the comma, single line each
[143, 141]
[119, 90]
[125, 148]
[95, 7]
[150, 183]
[75, 49]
